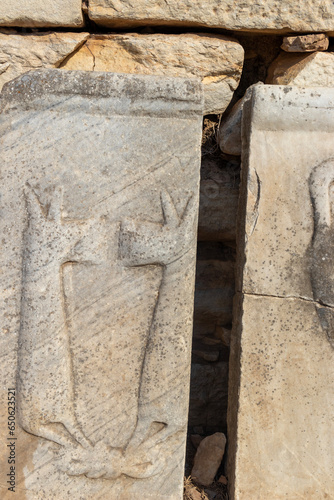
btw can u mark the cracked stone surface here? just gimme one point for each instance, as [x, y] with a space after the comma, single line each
[41, 13]
[216, 59]
[20, 53]
[281, 413]
[99, 206]
[259, 15]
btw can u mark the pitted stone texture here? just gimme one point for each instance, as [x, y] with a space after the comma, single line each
[33, 13]
[281, 376]
[217, 60]
[259, 15]
[305, 43]
[99, 202]
[279, 269]
[311, 70]
[20, 53]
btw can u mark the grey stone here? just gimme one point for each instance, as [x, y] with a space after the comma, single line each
[229, 135]
[281, 390]
[99, 202]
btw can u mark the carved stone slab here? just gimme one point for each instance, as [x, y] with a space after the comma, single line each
[99, 202]
[281, 415]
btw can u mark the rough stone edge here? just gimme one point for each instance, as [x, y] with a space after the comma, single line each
[102, 17]
[235, 347]
[280, 113]
[258, 117]
[141, 91]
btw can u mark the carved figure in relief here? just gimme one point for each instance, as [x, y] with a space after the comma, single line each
[321, 185]
[47, 409]
[44, 377]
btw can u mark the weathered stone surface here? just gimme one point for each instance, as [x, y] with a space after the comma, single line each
[216, 59]
[30, 13]
[20, 53]
[208, 457]
[305, 43]
[312, 70]
[99, 199]
[281, 410]
[259, 15]
[229, 135]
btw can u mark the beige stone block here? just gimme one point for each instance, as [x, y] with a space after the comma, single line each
[216, 59]
[259, 15]
[286, 399]
[99, 202]
[20, 53]
[311, 70]
[208, 457]
[30, 13]
[305, 43]
[281, 390]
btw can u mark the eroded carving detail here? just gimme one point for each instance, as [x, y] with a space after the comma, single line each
[322, 258]
[45, 378]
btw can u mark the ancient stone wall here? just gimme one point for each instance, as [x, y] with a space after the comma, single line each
[231, 49]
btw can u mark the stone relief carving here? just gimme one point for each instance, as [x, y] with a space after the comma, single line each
[321, 185]
[47, 409]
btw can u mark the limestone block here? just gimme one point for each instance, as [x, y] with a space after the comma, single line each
[20, 53]
[311, 70]
[281, 410]
[208, 457]
[99, 202]
[305, 43]
[30, 13]
[229, 135]
[259, 15]
[216, 59]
